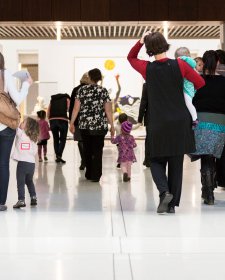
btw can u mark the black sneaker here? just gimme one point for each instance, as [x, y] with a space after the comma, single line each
[165, 199]
[82, 167]
[19, 204]
[33, 201]
[45, 158]
[3, 207]
[171, 210]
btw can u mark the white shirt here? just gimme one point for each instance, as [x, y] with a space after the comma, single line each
[9, 87]
[25, 149]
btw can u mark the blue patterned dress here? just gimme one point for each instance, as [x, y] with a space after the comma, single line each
[210, 105]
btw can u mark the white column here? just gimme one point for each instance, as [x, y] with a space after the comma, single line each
[222, 35]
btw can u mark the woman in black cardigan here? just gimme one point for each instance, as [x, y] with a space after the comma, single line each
[210, 132]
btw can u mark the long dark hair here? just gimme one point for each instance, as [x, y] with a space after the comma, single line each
[210, 59]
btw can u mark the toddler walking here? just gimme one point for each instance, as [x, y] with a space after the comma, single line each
[188, 87]
[24, 153]
[126, 145]
[43, 135]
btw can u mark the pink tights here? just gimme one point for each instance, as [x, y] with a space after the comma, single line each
[126, 167]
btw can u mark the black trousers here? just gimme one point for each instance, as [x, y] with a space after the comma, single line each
[59, 130]
[171, 183]
[147, 150]
[93, 150]
[220, 169]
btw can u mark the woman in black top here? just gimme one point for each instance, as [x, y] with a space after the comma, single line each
[210, 132]
[95, 112]
[77, 135]
[220, 163]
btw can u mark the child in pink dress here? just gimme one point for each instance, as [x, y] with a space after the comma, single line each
[43, 135]
[126, 145]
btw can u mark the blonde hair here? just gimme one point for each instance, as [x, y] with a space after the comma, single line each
[85, 79]
[32, 129]
[182, 51]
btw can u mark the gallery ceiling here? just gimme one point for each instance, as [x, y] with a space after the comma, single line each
[106, 30]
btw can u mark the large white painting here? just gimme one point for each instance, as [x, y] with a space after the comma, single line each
[130, 81]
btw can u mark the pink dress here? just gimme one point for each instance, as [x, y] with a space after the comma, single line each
[44, 130]
[126, 145]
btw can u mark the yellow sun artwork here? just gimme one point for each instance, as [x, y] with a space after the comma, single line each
[109, 64]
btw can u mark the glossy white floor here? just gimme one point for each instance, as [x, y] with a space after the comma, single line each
[110, 230]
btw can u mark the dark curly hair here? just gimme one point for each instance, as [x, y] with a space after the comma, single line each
[155, 43]
[95, 75]
[32, 129]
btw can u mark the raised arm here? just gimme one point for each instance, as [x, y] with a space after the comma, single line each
[17, 96]
[138, 64]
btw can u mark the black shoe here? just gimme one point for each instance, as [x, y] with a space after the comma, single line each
[209, 200]
[125, 177]
[33, 201]
[20, 203]
[3, 207]
[95, 180]
[165, 199]
[45, 158]
[59, 159]
[82, 167]
[171, 210]
[118, 165]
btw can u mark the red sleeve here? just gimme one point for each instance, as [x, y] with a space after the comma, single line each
[138, 64]
[190, 74]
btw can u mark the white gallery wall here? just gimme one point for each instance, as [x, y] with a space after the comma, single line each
[57, 59]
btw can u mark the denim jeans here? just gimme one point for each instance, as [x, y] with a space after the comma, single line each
[59, 130]
[24, 175]
[6, 141]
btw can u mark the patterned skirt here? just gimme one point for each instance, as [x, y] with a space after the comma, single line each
[210, 134]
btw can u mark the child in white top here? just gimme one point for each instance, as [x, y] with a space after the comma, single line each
[24, 153]
[188, 87]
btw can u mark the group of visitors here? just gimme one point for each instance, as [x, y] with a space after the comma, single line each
[183, 111]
